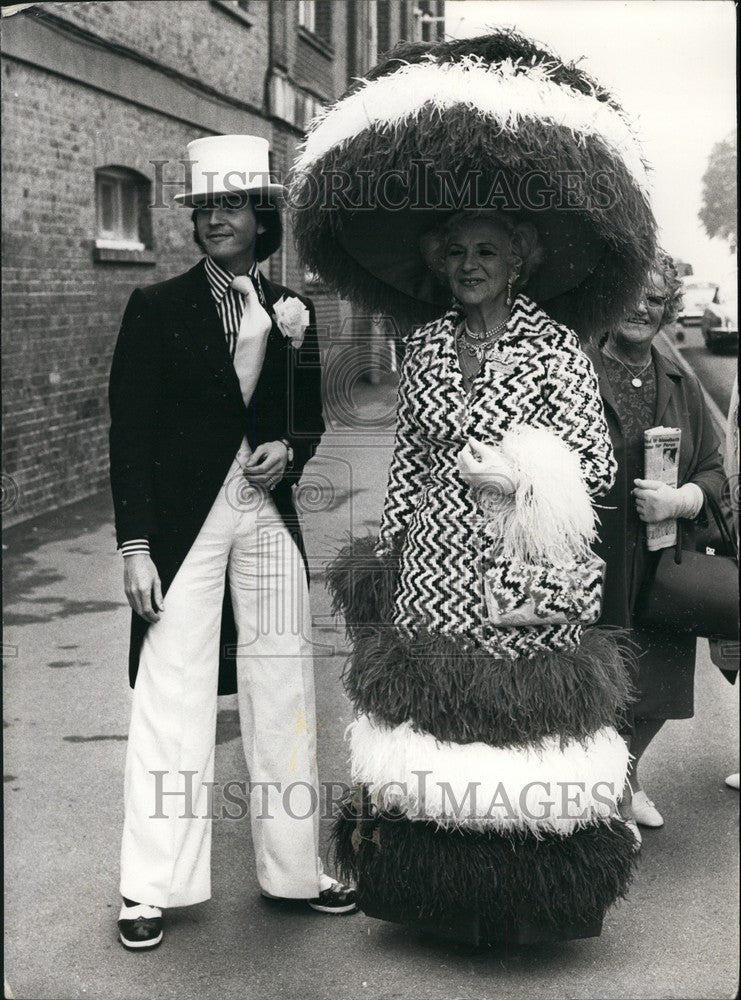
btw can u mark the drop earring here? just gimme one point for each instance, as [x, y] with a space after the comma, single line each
[509, 290]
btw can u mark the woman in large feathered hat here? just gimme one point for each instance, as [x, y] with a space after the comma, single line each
[487, 188]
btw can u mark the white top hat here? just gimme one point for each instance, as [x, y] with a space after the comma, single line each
[228, 164]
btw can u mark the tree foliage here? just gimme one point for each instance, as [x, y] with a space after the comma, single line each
[719, 204]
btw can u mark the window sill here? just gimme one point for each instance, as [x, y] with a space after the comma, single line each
[123, 255]
[321, 46]
[231, 10]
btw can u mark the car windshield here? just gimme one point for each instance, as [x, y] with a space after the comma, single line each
[698, 293]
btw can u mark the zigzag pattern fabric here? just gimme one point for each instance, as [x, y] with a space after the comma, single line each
[538, 376]
[442, 690]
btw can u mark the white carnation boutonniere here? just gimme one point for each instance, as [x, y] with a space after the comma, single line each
[292, 318]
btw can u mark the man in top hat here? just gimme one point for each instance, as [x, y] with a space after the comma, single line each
[215, 397]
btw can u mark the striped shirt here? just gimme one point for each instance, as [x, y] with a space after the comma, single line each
[229, 302]
[230, 307]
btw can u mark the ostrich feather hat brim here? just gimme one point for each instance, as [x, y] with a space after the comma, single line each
[488, 123]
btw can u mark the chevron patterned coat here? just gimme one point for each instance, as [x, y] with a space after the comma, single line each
[538, 377]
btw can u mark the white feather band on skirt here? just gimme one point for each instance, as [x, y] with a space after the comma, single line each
[554, 787]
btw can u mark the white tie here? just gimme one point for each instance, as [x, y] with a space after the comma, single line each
[254, 328]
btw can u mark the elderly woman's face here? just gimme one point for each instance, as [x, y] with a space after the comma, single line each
[644, 321]
[477, 261]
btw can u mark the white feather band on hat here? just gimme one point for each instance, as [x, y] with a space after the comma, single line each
[507, 93]
[554, 787]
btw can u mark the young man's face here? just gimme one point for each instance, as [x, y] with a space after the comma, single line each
[228, 234]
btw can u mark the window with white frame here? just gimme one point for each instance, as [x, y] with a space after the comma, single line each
[122, 220]
[426, 20]
[307, 14]
[315, 16]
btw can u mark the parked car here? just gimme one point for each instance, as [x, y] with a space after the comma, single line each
[720, 318]
[696, 295]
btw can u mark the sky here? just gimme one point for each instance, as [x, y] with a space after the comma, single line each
[670, 63]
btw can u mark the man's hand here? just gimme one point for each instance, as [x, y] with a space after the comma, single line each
[655, 501]
[267, 465]
[143, 587]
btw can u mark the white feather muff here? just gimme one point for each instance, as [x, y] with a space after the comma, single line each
[553, 787]
[506, 93]
[550, 518]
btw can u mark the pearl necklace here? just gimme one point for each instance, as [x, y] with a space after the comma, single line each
[482, 349]
[636, 381]
[487, 334]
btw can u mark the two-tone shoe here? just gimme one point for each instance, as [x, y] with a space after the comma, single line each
[140, 927]
[336, 899]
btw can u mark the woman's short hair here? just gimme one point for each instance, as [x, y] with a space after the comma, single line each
[525, 248]
[664, 265]
[268, 215]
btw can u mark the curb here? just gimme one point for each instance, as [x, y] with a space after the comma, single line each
[716, 414]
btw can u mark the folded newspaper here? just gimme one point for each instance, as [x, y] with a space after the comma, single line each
[661, 451]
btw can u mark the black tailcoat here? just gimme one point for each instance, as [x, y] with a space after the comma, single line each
[178, 419]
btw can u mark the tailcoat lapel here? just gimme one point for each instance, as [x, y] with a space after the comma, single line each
[272, 294]
[208, 341]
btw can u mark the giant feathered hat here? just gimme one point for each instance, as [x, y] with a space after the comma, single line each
[494, 122]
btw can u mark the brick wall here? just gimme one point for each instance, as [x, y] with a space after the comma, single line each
[196, 38]
[61, 309]
[319, 68]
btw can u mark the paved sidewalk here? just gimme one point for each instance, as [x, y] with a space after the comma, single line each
[66, 718]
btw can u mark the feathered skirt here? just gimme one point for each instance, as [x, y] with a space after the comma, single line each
[485, 788]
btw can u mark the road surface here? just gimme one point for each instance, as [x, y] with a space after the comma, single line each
[715, 371]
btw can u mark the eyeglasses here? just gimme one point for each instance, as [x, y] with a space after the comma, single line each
[654, 299]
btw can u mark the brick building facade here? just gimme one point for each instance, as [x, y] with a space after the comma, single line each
[99, 102]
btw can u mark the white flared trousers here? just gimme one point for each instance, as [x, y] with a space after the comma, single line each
[166, 847]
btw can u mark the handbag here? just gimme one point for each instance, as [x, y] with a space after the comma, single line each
[526, 594]
[693, 591]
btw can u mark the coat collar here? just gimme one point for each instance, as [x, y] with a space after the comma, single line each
[526, 320]
[201, 317]
[668, 375]
[220, 279]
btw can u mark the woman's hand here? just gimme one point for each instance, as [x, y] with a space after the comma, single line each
[655, 501]
[483, 465]
[143, 587]
[267, 465]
